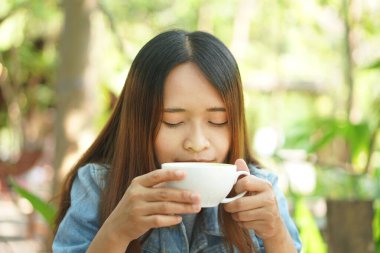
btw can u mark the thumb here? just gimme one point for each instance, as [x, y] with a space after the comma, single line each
[241, 165]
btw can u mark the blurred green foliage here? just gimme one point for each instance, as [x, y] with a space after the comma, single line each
[28, 38]
[47, 210]
[376, 220]
[311, 237]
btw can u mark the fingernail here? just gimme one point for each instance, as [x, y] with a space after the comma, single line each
[194, 196]
[178, 173]
[196, 207]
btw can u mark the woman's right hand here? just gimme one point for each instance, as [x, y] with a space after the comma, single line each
[146, 205]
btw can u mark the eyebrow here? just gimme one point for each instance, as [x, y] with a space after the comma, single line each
[216, 109]
[212, 109]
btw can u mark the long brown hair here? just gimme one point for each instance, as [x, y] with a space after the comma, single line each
[126, 143]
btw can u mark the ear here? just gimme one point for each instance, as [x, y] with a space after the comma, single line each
[241, 165]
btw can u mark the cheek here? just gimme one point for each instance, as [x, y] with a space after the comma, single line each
[163, 146]
[222, 144]
[227, 144]
[158, 146]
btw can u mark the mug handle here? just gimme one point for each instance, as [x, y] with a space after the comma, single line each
[239, 173]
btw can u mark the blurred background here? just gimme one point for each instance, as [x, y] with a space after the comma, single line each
[311, 74]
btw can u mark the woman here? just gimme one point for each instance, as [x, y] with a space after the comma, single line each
[182, 101]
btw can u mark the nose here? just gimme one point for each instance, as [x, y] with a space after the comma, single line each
[196, 141]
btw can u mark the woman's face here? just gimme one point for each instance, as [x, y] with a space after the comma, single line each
[194, 125]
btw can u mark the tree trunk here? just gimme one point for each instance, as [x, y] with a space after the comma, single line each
[75, 86]
[349, 226]
[205, 17]
[242, 23]
[348, 61]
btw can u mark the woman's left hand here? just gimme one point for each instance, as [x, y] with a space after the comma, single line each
[258, 208]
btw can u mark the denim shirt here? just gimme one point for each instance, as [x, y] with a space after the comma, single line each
[81, 222]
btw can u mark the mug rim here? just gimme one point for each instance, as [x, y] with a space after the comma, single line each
[200, 164]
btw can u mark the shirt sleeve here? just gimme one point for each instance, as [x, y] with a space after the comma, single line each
[283, 208]
[81, 222]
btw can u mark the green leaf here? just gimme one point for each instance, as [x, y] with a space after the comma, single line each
[374, 65]
[299, 134]
[376, 225]
[309, 232]
[359, 139]
[47, 210]
[325, 139]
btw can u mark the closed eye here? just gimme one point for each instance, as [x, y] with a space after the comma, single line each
[218, 124]
[172, 125]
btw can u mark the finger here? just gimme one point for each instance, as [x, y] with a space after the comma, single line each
[247, 203]
[171, 208]
[157, 221]
[261, 228]
[170, 194]
[241, 165]
[252, 184]
[249, 215]
[159, 176]
[249, 225]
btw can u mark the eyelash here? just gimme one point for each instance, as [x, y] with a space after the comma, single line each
[218, 124]
[170, 125]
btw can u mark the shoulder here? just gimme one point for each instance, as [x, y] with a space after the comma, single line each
[81, 221]
[263, 173]
[90, 180]
[93, 173]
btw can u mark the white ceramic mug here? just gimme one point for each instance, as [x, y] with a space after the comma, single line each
[213, 181]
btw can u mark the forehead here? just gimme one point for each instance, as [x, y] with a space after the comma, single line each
[187, 85]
